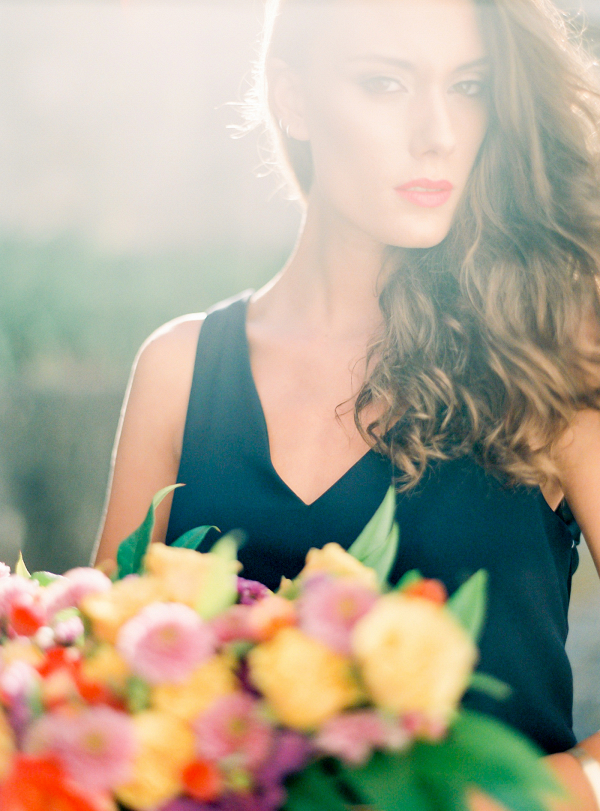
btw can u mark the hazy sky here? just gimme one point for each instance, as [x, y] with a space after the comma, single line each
[113, 124]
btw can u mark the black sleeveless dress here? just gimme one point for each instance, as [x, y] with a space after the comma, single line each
[457, 520]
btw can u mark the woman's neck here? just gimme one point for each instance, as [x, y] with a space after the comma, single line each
[329, 285]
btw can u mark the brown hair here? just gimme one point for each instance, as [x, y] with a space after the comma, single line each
[481, 349]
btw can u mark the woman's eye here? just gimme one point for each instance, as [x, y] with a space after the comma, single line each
[382, 84]
[470, 87]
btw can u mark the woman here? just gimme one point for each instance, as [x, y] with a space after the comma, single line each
[437, 324]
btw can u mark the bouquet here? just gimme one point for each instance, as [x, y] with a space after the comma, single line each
[178, 685]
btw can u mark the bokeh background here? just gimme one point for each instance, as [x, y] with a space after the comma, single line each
[126, 200]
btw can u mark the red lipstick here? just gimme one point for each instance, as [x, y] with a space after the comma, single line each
[426, 193]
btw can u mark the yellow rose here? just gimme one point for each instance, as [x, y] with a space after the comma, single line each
[304, 681]
[7, 746]
[205, 582]
[106, 666]
[188, 699]
[110, 610]
[21, 650]
[165, 746]
[414, 656]
[332, 559]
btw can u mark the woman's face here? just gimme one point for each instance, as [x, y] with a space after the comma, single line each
[393, 101]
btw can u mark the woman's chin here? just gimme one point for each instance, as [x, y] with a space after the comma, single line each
[419, 241]
[420, 232]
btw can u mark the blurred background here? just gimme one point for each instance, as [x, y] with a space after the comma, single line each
[124, 202]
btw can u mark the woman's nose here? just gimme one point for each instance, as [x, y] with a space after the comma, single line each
[432, 126]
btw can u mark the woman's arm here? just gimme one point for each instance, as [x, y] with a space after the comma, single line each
[578, 460]
[149, 436]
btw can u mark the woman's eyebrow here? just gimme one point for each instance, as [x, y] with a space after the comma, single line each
[482, 62]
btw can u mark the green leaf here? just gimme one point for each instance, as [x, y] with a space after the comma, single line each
[219, 590]
[377, 545]
[389, 783]
[490, 685]
[407, 579]
[44, 578]
[132, 550]
[227, 546]
[20, 568]
[478, 751]
[138, 694]
[193, 538]
[312, 789]
[481, 751]
[468, 603]
[66, 614]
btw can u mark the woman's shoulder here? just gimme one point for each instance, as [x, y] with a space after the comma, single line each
[180, 335]
[170, 349]
[163, 368]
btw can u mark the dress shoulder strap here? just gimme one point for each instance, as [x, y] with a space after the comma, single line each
[219, 354]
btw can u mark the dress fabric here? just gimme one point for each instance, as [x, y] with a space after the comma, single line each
[459, 519]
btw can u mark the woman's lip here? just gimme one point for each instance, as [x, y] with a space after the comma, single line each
[426, 193]
[425, 184]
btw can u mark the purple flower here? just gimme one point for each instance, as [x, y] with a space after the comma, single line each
[291, 751]
[251, 590]
[165, 642]
[187, 804]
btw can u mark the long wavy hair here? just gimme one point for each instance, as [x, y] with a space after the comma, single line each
[483, 348]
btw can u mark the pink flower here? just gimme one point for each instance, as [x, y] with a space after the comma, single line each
[4, 571]
[234, 729]
[417, 725]
[233, 624]
[353, 736]
[20, 686]
[18, 679]
[95, 746]
[67, 631]
[330, 608]
[69, 591]
[165, 642]
[13, 588]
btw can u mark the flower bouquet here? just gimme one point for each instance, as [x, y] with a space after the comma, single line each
[178, 685]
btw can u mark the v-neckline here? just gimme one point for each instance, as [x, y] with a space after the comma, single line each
[263, 422]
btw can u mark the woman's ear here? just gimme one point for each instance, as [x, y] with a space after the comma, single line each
[286, 99]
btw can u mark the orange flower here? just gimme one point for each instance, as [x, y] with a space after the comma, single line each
[432, 590]
[269, 615]
[203, 781]
[39, 784]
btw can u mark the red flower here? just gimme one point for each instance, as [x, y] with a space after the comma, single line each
[26, 614]
[39, 784]
[58, 658]
[69, 660]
